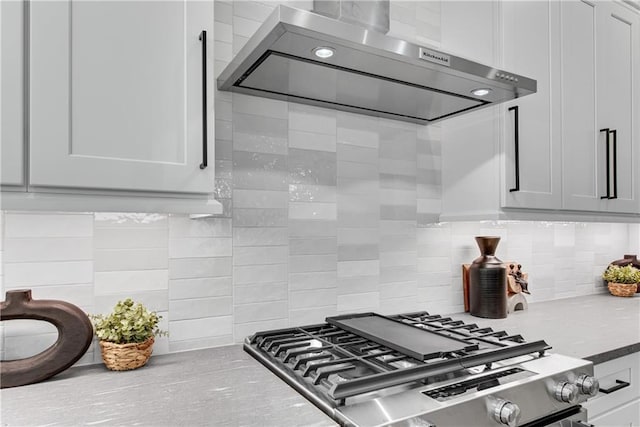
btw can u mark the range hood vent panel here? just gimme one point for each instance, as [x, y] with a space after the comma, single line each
[303, 80]
[369, 73]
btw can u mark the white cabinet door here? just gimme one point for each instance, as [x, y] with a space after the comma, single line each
[618, 405]
[528, 50]
[625, 416]
[600, 98]
[116, 95]
[583, 164]
[618, 105]
[12, 90]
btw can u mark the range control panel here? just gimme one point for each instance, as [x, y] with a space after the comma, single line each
[484, 382]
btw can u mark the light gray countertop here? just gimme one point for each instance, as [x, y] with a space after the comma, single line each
[596, 327]
[225, 387]
[221, 386]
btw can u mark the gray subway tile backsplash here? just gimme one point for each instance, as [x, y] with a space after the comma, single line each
[309, 228]
[313, 246]
[312, 167]
[260, 292]
[255, 312]
[48, 249]
[262, 217]
[312, 119]
[312, 210]
[355, 154]
[250, 274]
[207, 327]
[190, 268]
[200, 247]
[260, 236]
[257, 255]
[156, 300]
[259, 143]
[25, 274]
[200, 287]
[129, 238]
[39, 225]
[312, 193]
[312, 141]
[200, 307]
[358, 252]
[130, 259]
[312, 280]
[259, 179]
[311, 299]
[261, 108]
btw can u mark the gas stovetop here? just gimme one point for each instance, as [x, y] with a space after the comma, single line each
[422, 369]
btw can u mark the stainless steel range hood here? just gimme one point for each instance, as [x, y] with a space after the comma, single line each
[369, 72]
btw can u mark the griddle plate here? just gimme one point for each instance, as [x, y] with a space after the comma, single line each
[410, 340]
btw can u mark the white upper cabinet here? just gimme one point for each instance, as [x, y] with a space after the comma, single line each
[578, 107]
[544, 156]
[12, 90]
[600, 106]
[116, 95]
[618, 95]
[529, 138]
[480, 165]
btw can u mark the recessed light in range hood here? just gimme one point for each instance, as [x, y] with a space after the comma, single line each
[367, 72]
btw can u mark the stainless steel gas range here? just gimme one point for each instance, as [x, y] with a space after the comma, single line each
[418, 369]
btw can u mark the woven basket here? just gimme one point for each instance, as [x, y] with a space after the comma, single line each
[623, 289]
[123, 357]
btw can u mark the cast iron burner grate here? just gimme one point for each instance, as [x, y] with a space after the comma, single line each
[341, 364]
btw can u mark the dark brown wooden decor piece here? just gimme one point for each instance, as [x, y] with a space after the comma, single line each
[74, 337]
[488, 281]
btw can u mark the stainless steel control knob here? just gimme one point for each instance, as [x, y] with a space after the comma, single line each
[588, 385]
[566, 392]
[507, 413]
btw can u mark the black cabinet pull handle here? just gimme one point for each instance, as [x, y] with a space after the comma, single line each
[203, 39]
[607, 142]
[619, 385]
[615, 164]
[516, 137]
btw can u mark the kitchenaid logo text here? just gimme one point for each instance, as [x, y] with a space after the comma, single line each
[434, 56]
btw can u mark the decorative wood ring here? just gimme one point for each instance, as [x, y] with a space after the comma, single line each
[75, 333]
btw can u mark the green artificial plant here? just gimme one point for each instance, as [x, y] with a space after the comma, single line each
[129, 322]
[627, 274]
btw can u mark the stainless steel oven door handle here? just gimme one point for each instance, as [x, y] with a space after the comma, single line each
[576, 419]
